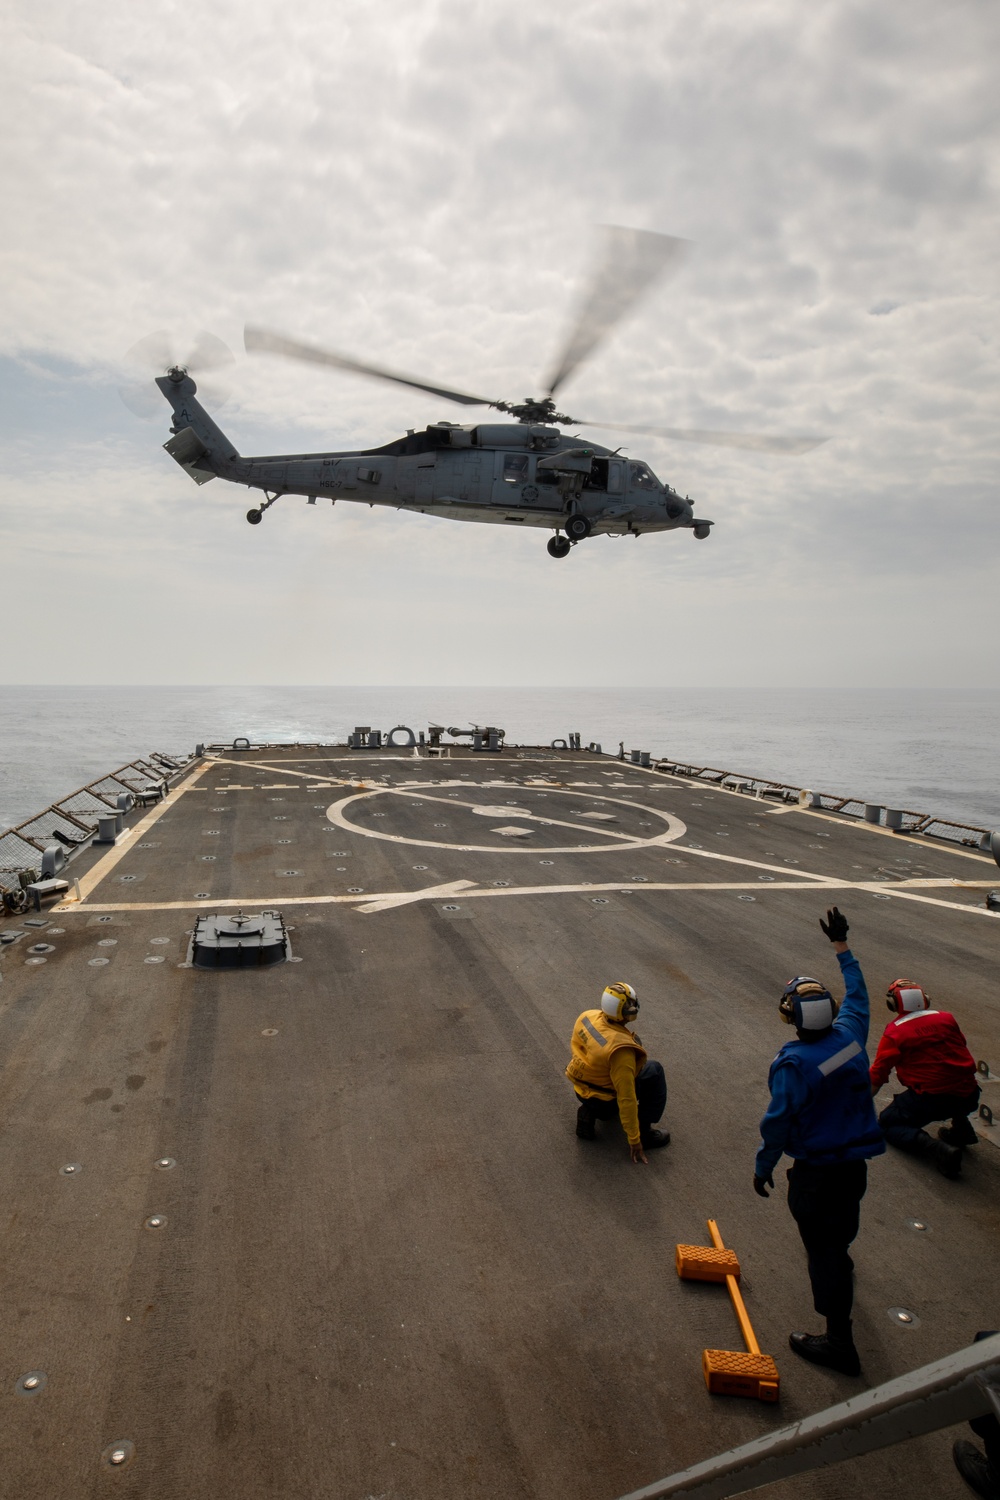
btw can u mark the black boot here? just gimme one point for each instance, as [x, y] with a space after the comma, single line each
[654, 1138]
[947, 1159]
[958, 1133]
[586, 1126]
[834, 1349]
[975, 1469]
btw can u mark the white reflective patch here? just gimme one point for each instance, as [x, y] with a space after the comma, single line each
[817, 1015]
[911, 1000]
[839, 1058]
[903, 1019]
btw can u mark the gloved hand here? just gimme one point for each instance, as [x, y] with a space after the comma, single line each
[761, 1184]
[835, 926]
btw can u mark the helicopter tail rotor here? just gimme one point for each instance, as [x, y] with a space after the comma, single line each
[155, 355]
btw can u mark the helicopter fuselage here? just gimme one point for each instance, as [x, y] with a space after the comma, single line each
[509, 473]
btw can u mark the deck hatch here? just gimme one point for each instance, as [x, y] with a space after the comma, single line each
[240, 941]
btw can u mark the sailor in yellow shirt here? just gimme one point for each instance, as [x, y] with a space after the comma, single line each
[613, 1077]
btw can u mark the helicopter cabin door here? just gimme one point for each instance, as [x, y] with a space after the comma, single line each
[512, 482]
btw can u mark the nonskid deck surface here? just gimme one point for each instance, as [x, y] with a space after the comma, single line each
[381, 1264]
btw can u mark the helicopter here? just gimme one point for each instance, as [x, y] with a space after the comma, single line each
[519, 472]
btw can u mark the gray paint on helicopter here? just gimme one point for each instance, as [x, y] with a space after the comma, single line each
[521, 473]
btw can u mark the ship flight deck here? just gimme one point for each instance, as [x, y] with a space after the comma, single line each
[324, 1229]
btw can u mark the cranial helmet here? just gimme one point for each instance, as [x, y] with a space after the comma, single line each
[903, 997]
[619, 1002]
[807, 1004]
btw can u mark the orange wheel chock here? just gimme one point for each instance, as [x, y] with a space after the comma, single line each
[729, 1372]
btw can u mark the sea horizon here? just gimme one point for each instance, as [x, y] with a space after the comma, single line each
[927, 749]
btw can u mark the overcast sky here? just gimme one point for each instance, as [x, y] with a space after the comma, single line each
[416, 182]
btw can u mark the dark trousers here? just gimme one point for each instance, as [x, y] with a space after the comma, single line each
[904, 1119]
[825, 1203]
[650, 1094]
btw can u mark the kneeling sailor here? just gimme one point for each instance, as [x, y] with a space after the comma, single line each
[613, 1076]
[938, 1074]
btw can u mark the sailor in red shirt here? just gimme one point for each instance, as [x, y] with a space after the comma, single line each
[938, 1074]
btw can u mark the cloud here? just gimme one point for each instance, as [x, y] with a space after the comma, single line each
[417, 184]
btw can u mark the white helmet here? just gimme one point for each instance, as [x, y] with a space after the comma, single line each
[620, 1003]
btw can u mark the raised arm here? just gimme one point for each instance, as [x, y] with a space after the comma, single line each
[854, 1014]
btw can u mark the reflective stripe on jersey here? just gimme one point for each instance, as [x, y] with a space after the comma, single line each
[839, 1058]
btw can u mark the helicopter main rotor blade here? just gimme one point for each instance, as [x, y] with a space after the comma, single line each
[631, 261]
[258, 340]
[753, 442]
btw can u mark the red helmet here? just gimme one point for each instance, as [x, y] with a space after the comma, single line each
[904, 997]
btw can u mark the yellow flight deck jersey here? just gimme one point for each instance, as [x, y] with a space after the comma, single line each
[606, 1058]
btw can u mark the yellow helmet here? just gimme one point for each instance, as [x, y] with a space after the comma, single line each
[620, 1003]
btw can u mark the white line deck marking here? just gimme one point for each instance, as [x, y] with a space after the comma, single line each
[405, 898]
[384, 900]
[675, 829]
[504, 812]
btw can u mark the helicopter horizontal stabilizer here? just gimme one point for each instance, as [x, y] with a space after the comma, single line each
[187, 449]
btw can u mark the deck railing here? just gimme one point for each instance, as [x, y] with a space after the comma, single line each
[947, 829]
[950, 1390]
[72, 821]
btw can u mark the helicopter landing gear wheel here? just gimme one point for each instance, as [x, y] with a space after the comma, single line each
[255, 517]
[577, 528]
[557, 546]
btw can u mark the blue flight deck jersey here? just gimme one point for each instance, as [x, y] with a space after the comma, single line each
[821, 1107]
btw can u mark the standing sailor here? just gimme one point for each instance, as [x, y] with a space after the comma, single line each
[938, 1073]
[821, 1114]
[613, 1076]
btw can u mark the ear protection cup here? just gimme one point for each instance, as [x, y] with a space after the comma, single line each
[904, 997]
[807, 1004]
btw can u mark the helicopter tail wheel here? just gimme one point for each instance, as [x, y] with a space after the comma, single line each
[557, 546]
[577, 528]
[255, 517]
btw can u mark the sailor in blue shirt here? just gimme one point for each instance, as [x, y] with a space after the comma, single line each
[821, 1114]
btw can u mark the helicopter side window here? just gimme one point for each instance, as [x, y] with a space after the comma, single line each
[515, 469]
[640, 478]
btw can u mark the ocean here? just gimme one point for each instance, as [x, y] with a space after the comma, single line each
[927, 750]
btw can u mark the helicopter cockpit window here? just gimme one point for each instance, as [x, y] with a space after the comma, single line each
[640, 478]
[515, 468]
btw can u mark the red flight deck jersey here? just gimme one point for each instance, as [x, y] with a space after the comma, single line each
[928, 1051]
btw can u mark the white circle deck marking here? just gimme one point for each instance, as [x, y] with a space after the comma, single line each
[674, 829]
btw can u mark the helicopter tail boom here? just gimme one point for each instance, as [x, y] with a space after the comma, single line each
[197, 444]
